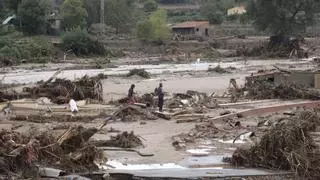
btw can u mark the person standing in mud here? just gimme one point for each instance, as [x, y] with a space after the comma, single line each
[130, 94]
[160, 97]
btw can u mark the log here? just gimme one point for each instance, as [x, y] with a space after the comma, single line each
[188, 120]
[162, 115]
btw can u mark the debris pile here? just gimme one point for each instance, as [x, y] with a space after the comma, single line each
[278, 46]
[60, 91]
[71, 152]
[132, 113]
[218, 69]
[261, 89]
[192, 99]
[123, 140]
[287, 146]
[37, 118]
[140, 72]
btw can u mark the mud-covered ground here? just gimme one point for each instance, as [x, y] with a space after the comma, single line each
[157, 134]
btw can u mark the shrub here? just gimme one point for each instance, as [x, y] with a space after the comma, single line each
[7, 51]
[150, 6]
[80, 43]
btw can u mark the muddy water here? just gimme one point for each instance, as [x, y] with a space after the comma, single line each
[32, 76]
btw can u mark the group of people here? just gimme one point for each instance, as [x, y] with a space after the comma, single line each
[158, 92]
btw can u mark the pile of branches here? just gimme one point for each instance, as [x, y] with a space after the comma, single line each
[288, 146]
[139, 72]
[278, 46]
[21, 154]
[61, 90]
[218, 69]
[261, 89]
[123, 140]
[132, 113]
[193, 99]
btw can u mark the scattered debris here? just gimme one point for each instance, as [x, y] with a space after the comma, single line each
[140, 72]
[202, 131]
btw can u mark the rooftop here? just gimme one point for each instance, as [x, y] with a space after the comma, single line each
[190, 24]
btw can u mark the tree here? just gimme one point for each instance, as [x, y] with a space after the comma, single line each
[150, 6]
[119, 14]
[12, 4]
[155, 28]
[32, 14]
[282, 17]
[73, 14]
[93, 9]
[213, 11]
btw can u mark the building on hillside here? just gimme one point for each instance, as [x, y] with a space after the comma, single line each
[236, 11]
[199, 28]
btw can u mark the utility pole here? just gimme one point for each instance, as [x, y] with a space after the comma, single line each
[102, 17]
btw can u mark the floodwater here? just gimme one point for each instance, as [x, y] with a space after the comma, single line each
[20, 76]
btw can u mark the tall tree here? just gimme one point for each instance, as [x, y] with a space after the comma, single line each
[93, 9]
[282, 17]
[32, 14]
[119, 14]
[73, 14]
[12, 4]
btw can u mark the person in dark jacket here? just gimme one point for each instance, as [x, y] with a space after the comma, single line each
[160, 97]
[130, 94]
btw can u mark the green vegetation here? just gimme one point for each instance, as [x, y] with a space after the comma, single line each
[33, 50]
[282, 17]
[150, 6]
[155, 28]
[119, 14]
[73, 14]
[93, 9]
[184, 15]
[173, 1]
[32, 14]
[79, 41]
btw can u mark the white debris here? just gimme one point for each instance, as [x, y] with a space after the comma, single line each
[73, 105]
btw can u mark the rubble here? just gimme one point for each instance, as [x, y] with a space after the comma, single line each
[140, 72]
[286, 146]
[20, 154]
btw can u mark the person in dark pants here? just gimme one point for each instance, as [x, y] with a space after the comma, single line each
[130, 94]
[160, 97]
